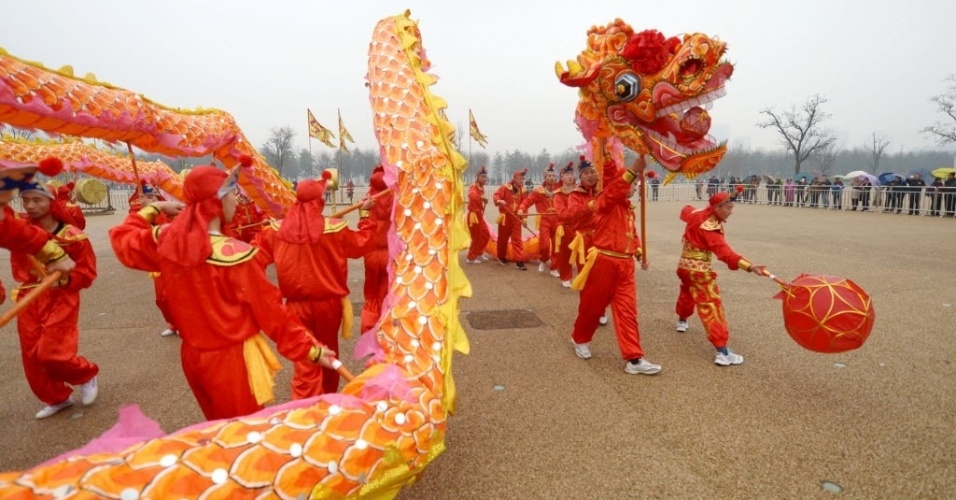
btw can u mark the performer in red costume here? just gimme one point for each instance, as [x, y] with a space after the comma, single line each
[249, 220]
[376, 259]
[508, 198]
[542, 198]
[607, 277]
[144, 196]
[311, 255]
[476, 219]
[561, 259]
[49, 336]
[581, 216]
[220, 297]
[703, 237]
[18, 235]
[68, 211]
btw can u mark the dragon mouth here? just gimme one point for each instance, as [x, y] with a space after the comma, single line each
[679, 133]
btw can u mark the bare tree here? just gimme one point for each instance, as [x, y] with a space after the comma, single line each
[827, 157]
[944, 133]
[801, 132]
[877, 146]
[278, 148]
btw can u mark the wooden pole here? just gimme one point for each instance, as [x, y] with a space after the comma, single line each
[30, 297]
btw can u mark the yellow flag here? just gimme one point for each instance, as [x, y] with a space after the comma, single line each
[344, 135]
[319, 132]
[475, 133]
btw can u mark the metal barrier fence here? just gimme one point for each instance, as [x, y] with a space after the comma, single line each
[929, 201]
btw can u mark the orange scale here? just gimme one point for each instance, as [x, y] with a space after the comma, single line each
[150, 453]
[438, 239]
[178, 482]
[434, 271]
[257, 467]
[416, 290]
[358, 463]
[298, 478]
[323, 448]
[281, 437]
[60, 474]
[236, 433]
[346, 425]
[378, 435]
[226, 491]
[424, 438]
[118, 478]
[208, 458]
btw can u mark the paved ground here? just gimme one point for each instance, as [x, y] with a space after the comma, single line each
[534, 421]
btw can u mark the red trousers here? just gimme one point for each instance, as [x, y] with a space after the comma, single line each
[611, 281]
[49, 340]
[219, 381]
[479, 236]
[159, 286]
[322, 318]
[561, 258]
[376, 287]
[510, 230]
[699, 288]
[546, 235]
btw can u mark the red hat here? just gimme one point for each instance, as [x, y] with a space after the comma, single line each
[305, 224]
[482, 171]
[186, 239]
[518, 172]
[584, 164]
[377, 181]
[720, 198]
[568, 169]
[550, 168]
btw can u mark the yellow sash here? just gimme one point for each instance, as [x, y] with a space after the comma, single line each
[500, 220]
[577, 249]
[261, 366]
[346, 318]
[557, 238]
[582, 277]
[472, 218]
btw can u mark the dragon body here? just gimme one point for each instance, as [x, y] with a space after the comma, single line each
[35, 97]
[375, 436]
[87, 159]
[649, 93]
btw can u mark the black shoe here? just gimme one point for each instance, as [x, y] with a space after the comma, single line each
[521, 266]
[503, 262]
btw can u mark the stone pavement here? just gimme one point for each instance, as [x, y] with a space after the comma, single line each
[534, 421]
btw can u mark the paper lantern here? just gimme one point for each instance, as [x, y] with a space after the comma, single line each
[827, 314]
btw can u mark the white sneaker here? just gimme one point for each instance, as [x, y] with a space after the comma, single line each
[49, 411]
[555, 273]
[582, 350]
[484, 258]
[682, 326]
[566, 283]
[88, 392]
[542, 267]
[169, 332]
[731, 358]
[603, 319]
[642, 367]
[475, 261]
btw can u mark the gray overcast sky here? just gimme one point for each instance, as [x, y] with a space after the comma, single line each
[877, 61]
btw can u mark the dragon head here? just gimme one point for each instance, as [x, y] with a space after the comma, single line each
[650, 92]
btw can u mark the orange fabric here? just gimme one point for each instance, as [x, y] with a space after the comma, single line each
[375, 288]
[322, 319]
[244, 225]
[186, 241]
[216, 308]
[49, 336]
[611, 282]
[561, 259]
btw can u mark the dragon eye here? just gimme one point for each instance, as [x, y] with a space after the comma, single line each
[627, 86]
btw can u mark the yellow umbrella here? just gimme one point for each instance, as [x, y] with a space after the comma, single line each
[943, 172]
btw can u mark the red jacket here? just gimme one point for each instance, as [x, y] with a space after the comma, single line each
[319, 271]
[512, 196]
[706, 234]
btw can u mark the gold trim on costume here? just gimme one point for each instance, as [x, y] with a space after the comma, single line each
[261, 367]
[50, 253]
[712, 224]
[334, 225]
[227, 251]
[695, 259]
